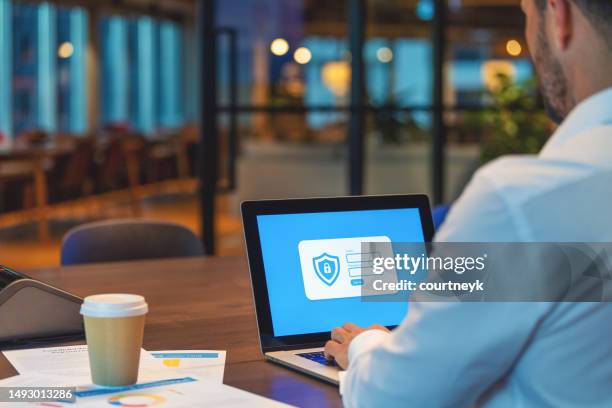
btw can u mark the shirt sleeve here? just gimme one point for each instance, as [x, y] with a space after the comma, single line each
[446, 353]
[443, 354]
[366, 341]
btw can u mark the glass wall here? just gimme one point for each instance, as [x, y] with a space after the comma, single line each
[114, 61]
[292, 89]
[76, 80]
[398, 63]
[281, 46]
[284, 85]
[25, 67]
[142, 63]
[485, 63]
[45, 49]
[71, 43]
[6, 72]
[170, 60]
[44, 81]
[294, 76]
[491, 93]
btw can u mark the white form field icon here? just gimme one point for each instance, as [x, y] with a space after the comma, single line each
[338, 268]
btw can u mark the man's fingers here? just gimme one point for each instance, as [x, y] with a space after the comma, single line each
[379, 327]
[331, 349]
[339, 334]
[350, 327]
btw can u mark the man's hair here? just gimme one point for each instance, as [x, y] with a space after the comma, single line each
[599, 12]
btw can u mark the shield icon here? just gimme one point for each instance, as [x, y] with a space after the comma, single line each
[327, 268]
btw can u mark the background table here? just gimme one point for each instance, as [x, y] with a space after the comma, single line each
[196, 303]
[36, 156]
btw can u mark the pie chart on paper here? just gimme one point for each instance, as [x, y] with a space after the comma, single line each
[136, 400]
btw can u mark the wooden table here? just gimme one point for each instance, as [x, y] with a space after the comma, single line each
[37, 156]
[197, 303]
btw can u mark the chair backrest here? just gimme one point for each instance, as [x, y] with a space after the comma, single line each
[439, 214]
[125, 240]
[78, 169]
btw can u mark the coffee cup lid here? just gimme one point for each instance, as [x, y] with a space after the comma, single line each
[114, 305]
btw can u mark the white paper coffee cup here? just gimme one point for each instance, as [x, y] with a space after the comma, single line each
[114, 327]
[114, 305]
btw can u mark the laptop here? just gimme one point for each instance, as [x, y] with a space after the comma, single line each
[304, 257]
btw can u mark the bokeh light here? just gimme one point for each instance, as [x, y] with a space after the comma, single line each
[384, 54]
[514, 48]
[279, 46]
[302, 55]
[65, 50]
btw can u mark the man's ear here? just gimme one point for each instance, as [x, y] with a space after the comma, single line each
[560, 13]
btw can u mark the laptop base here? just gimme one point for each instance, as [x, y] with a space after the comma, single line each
[293, 360]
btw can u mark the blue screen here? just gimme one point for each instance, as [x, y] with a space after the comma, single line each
[292, 311]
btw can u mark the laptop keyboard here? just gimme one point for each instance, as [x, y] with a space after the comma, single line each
[317, 357]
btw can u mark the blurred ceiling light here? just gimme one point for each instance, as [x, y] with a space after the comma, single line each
[302, 55]
[65, 50]
[336, 76]
[384, 54]
[514, 48]
[279, 46]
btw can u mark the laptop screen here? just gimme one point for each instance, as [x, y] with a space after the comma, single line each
[311, 263]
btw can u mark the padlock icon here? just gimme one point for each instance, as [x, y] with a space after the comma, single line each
[327, 269]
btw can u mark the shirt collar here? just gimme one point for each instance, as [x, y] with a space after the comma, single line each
[593, 112]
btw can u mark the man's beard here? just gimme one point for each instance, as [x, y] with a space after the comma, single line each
[553, 83]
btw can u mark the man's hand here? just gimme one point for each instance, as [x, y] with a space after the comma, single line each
[341, 337]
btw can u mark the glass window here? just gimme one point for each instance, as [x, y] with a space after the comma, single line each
[282, 48]
[491, 44]
[142, 69]
[293, 84]
[114, 71]
[71, 89]
[490, 93]
[398, 63]
[65, 51]
[25, 64]
[6, 73]
[142, 88]
[47, 67]
[397, 54]
[169, 74]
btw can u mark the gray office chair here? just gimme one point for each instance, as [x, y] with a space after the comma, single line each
[125, 240]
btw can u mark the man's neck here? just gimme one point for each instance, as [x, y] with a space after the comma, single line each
[592, 78]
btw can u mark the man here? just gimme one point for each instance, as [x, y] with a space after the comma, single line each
[515, 354]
